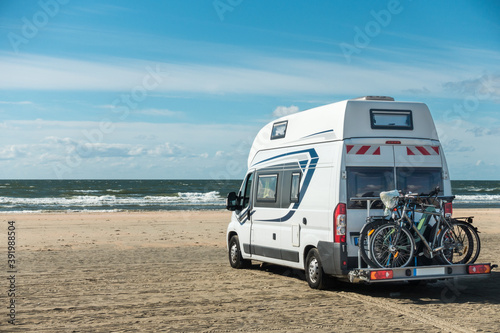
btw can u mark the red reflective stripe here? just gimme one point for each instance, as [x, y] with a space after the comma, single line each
[349, 147]
[436, 149]
[377, 151]
[362, 150]
[423, 150]
[409, 152]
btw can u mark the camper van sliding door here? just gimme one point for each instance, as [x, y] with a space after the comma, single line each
[266, 216]
[275, 233]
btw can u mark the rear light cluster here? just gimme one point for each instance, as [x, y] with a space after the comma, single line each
[340, 223]
[381, 275]
[448, 209]
[479, 269]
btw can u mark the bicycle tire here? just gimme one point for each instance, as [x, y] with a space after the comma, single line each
[364, 247]
[467, 247]
[476, 240]
[392, 246]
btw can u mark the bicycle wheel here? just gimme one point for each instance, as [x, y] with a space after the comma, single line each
[476, 243]
[460, 242]
[392, 246]
[363, 242]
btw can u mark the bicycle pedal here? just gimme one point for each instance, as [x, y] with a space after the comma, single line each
[420, 254]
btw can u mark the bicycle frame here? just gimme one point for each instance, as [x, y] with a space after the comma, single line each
[409, 204]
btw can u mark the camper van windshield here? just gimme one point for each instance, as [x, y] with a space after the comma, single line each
[391, 119]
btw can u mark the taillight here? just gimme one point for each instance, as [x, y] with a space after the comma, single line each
[448, 209]
[381, 275]
[479, 269]
[340, 223]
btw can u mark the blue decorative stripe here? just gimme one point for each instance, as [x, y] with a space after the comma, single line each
[327, 131]
[312, 153]
[305, 185]
[246, 216]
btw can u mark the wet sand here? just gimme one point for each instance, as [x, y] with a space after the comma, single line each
[168, 271]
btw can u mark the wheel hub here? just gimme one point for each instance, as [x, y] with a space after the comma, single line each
[313, 270]
[234, 253]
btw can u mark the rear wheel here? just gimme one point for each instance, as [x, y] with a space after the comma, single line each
[235, 258]
[315, 276]
[476, 243]
[364, 240]
[460, 244]
[392, 246]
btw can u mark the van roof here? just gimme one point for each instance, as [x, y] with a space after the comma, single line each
[343, 120]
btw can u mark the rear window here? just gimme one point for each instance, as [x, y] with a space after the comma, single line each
[391, 119]
[365, 182]
[368, 182]
[418, 180]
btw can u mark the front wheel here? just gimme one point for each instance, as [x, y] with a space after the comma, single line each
[314, 270]
[235, 258]
[392, 246]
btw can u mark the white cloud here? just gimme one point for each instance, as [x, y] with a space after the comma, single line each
[160, 112]
[266, 76]
[282, 111]
[487, 86]
[60, 149]
[16, 103]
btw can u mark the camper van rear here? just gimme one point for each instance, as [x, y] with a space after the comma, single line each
[303, 202]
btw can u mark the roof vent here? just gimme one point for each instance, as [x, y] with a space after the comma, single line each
[374, 98]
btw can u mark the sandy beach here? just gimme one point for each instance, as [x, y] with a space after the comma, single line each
[168, 271]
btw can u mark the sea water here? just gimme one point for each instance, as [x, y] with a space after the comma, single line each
[25, 196]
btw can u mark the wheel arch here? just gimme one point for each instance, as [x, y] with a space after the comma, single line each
[307, 248]
[230, 235]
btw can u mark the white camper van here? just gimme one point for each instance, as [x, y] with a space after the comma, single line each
[297, 205]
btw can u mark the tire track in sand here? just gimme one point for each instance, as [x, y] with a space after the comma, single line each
[407, 311]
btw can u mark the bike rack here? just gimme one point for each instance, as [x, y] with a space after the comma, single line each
[369, 202]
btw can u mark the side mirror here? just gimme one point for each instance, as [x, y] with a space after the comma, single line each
[232, 202]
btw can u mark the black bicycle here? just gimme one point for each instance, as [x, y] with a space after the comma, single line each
[400, 240]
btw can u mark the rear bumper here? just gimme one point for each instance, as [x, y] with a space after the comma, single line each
[372, 275]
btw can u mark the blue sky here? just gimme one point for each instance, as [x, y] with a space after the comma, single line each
[178, 89]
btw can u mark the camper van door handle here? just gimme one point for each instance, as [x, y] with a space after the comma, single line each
[304, 220]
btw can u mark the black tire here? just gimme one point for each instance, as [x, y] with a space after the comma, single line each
[315, 276]
[364, 247]
[475, 239]
[392, 246]
[234, 253]
[461, 244]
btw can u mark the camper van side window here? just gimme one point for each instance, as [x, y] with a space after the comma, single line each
[294, 191]
[246, 191]
[391, 119]
[279, 130]
[266, 188]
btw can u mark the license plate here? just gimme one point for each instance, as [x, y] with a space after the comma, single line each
[429, 271]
